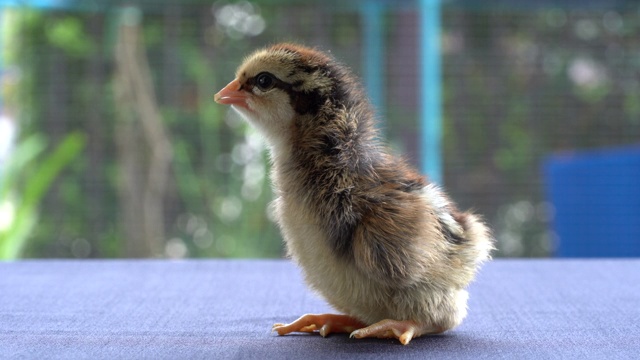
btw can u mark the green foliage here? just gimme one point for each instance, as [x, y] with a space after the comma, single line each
[24, 181]
[68, 34]
[513, 93]
[216, 203]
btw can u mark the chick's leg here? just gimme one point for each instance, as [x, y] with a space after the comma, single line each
[323, 323]
[401, 330]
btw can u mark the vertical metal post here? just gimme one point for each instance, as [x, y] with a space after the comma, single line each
[373, 52]
[430, 95]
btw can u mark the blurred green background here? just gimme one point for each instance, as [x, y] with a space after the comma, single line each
[111, 144]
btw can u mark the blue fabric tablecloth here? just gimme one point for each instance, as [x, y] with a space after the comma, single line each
[210, 309]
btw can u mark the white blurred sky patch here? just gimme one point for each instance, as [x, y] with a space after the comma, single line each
[7, 137]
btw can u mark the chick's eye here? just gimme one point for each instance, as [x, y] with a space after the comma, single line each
[264, 81]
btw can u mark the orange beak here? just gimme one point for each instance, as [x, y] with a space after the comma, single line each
[232, 95]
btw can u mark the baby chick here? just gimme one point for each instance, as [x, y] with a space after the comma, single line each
[378, 241]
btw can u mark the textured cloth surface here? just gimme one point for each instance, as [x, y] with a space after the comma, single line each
[139, 309]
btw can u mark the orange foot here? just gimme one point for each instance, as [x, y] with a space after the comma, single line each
[401, 330]
[324, 324]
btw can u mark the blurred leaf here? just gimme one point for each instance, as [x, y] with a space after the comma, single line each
[69, 35]
[23, 154]
[24, 193]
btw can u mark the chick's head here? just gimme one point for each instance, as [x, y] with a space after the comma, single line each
[276, 84]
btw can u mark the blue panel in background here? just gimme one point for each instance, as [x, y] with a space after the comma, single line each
[597, 201]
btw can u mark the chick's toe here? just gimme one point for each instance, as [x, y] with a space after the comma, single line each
[401, 330]
[323, 323]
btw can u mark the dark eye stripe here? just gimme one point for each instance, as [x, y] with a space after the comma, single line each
[277, 83]
[303, 102]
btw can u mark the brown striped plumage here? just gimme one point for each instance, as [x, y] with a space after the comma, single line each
[374, 237]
